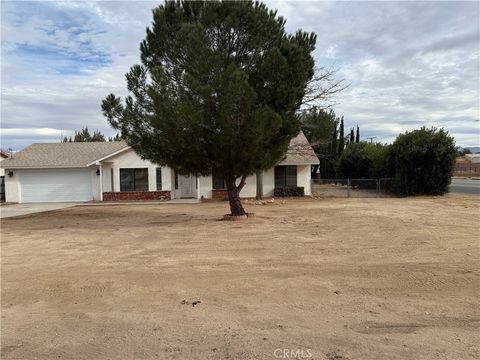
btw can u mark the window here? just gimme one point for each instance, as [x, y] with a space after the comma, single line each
[134, 179]
[218, 182]
[159, 178]
[285, 176]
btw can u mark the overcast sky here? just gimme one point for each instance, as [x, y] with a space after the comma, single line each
[408, 64]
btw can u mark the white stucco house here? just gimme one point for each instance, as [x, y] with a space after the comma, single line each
[110, 171]
[3, 156]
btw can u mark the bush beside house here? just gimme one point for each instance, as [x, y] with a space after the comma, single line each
[422, 162]
[364, 161]
[289, 191]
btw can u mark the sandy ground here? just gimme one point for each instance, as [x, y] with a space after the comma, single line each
[309, 279]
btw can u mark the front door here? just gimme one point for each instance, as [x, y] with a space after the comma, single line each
[187, 186]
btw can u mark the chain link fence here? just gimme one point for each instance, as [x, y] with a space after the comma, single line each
[355, 188]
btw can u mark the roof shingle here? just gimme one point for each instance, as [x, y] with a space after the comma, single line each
[58, 155]
[80, 154]
[300, 152]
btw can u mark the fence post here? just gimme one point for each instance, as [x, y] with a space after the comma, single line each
[378, 187]
[348, 187]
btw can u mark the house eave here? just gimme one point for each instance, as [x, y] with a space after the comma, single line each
[43, 167]
[295, 163]
[98, 161]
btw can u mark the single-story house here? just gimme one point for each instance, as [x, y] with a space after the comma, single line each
[109, 171]
[474, 158]
[3, 156]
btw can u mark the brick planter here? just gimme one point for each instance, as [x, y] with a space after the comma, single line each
[136, 195]
[229, 217]
[220, 194]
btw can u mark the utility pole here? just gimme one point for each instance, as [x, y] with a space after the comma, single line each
[371, 138]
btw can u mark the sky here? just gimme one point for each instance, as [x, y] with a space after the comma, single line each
[408, 64]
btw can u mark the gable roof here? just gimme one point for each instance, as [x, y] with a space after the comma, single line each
[62, 155]
[83, 154]
[300, 152]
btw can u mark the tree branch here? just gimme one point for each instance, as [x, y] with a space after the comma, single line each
[322, 87]
[242, 183]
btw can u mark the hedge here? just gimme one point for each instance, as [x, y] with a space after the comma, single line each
[289, 191]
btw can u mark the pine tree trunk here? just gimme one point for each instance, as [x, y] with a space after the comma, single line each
[259, 185]
[236, 207]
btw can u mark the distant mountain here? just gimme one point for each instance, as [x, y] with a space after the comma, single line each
[473, 149]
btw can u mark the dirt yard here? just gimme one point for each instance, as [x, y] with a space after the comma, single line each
[309, 279]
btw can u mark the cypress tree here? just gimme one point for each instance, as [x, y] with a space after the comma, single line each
[341, 138]
[357, 139]
[334, 149]
[352, 136]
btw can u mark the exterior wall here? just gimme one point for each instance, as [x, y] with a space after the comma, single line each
[2, 170]
[205, 187]
[166, 178]
[304, 178]
[129, 159]
[107, 177]
[250, 189]
[95, 182]
[12, 186]
[136, 195]
[268, 182]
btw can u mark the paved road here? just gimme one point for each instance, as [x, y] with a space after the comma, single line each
[467, 187]
[25, 209]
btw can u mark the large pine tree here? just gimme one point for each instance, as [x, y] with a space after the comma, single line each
[219, 87]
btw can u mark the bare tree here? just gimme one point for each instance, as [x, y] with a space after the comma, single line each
[322, 87]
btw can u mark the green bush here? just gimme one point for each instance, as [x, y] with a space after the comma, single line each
[364, 161]
[422, 162]
[288, 191]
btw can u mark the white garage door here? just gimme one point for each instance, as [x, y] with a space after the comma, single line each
[56, 185]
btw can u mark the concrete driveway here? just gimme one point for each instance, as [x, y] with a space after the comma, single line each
[26, 209]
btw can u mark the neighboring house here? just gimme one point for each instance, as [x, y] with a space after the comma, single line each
[3, 155]
[109, 171]
[474, 158]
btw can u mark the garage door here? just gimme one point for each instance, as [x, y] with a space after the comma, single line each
[56, 186]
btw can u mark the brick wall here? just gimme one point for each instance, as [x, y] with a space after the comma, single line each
[136, 195]
[219, 194]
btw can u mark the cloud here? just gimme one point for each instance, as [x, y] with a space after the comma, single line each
[409, 64]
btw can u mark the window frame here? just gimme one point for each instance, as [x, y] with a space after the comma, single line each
[286, 176]
[135, 174]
